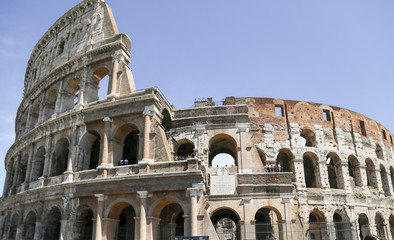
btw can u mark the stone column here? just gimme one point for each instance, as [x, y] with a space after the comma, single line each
[81, 97]
[58, 105]
[37, 231]
[107, 126]
[299, 172]
[100, 209]
[1, 225]
[29, 163]
[69, 174]
[142, 195]
[16, 167]
[19, 229]
[48, 154]
[193, 193]
[29, 115]
[148, 113]
[63, 229]
[116, 58]
[42, 110]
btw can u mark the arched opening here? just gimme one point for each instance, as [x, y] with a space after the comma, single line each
[379, 151]
[309, 138]
[184, 149]
[22, 170]
[363, 224]
[13, 227]
[126, 225]
[166, 121]
[334, 170]
[354, 171]
[130, 148]
[29, 226]
[50, 104]
[371, 173]
[52, 224]
[84, 225]
[222, 143]
[266, 226]
[391, 223]
[226, 223]
[285, 161]
[71, 94]
[311, 170]
[126, 145]
[385, 181]
[95, 154]
[38, 166]
[103, 88]
[342, 226]
[99, 89]
[317, 226]
[380, 226]
[89, 151]
[171, 221]
[60, 157]
[338, 227]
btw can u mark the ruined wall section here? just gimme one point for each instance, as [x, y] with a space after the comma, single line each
[340, 127]
[69, 61]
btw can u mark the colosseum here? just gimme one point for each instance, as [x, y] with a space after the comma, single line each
[132, 166]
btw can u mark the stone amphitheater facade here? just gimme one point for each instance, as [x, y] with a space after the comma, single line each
[131, 166]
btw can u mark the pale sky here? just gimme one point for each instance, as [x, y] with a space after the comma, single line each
[335, 52]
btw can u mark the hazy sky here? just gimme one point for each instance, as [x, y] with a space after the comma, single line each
[335, 52]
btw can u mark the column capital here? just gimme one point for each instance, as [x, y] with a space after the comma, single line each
[149, 111]
[100, 197]
[107, 119]
[119, 56]
[193, 192]
[143, 194]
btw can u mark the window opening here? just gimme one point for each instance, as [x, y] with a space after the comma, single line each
[362, 127]
[326, 115]
[391, 139]
[384, 134]
[76, 95]
[61, 47]
[279, 111]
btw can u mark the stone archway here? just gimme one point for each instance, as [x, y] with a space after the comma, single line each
[226, 223]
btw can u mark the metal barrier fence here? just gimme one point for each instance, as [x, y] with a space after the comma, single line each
[291, 231]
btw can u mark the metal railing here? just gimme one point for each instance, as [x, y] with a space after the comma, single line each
[291, 231]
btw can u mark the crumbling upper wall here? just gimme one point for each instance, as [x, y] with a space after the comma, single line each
[307, 114]
[73, 34]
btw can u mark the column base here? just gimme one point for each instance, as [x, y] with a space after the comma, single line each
[68, 176]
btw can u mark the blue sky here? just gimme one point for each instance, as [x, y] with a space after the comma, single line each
[335, 52]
